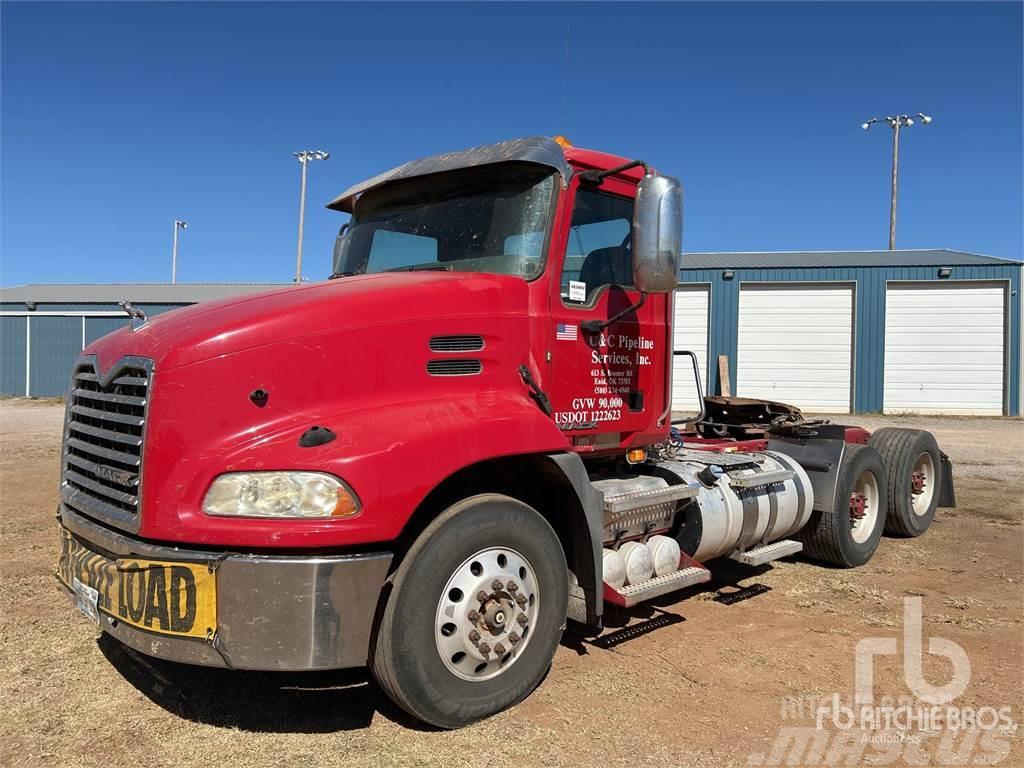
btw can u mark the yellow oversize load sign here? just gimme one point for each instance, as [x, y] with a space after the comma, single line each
[165, 597]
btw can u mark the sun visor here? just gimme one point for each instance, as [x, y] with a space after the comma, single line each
[539, 149]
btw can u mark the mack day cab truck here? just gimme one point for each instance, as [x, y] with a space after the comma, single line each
[427, 463]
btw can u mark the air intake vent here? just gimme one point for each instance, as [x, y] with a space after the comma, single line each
[464, 343]
[453, 367]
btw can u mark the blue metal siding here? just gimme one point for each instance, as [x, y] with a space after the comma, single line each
[95, 327]
[55, 343]
[869, 322]
[12, 355]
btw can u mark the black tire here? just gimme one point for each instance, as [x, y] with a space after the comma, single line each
[406, 658]
[829, 536]
[901, 449]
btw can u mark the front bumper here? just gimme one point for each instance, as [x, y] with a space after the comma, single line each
[274, 612]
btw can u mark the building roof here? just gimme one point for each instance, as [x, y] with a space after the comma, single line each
[190, 293]
[137, 293]
[937, 257]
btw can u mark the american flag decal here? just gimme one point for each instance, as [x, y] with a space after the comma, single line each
[566, 332]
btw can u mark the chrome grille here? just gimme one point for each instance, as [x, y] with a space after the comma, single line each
[104, 432]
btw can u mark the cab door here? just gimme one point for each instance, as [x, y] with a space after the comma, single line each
[607, 385]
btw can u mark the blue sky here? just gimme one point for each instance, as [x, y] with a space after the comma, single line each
[118, 118]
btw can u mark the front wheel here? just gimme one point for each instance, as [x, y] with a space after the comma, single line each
[475, 613]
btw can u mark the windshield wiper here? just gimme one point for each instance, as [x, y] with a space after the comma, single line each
[421, 268]
[341, 274]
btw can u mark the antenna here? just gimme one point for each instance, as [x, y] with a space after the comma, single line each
[565, 80]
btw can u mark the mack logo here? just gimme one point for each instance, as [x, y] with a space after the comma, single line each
[119, 476]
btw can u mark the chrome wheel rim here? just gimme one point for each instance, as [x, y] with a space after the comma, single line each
[866, 488]
[486, 613]
[922, 484]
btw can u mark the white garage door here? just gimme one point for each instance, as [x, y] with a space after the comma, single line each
[795, 345]
[690, 333]
[944, 348]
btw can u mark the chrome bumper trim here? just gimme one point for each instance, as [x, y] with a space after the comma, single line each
[284, 613]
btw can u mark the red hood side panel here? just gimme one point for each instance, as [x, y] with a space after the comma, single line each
[216, 328]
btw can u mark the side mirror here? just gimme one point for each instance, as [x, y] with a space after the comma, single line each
[657, 233]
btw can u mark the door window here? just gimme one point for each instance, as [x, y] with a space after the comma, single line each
[598, 251]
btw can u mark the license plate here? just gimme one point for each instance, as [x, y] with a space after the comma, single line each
[170, 598]
[87, 600]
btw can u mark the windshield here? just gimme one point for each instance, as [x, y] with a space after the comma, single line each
[493, 218]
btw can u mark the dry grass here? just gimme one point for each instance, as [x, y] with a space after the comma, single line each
[703, 690]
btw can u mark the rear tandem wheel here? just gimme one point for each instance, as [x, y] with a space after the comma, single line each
[913, 467]
[848, 535]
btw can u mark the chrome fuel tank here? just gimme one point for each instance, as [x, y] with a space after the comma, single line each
[745, 500]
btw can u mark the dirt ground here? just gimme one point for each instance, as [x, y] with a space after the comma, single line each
[698, 680]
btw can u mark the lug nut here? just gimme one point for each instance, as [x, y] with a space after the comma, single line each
[484, 648]
[499, 649]
[512, 586]
[473, 616]
[521, 599]
[513, 638]
[474, 636]
[521, 619]
[496, 585]
[482, 596]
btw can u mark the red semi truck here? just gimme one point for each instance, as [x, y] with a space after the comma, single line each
[429, 462]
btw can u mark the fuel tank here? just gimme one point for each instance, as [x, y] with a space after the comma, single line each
[745, 500]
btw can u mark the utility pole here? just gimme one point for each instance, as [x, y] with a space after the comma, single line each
[304, 157]
[895, 122]
[178, 224]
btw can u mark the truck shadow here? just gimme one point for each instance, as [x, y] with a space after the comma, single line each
[624, 624]
[345, 700]
[277, 702]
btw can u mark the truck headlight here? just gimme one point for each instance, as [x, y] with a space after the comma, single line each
[280, 494]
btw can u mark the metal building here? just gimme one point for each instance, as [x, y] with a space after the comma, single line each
[832, 332]
[926, 331]
[43, 328]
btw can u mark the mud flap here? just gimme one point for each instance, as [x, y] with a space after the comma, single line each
[947, 497]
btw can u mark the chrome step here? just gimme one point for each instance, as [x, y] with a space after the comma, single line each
[762, 479]
[658, 586]
[627, 502]
[767, 553]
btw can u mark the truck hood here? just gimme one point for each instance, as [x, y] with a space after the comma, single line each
[218, 328]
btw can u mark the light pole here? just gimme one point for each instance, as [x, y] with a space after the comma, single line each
[178, 224]
[304, 157]
[895, 122]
